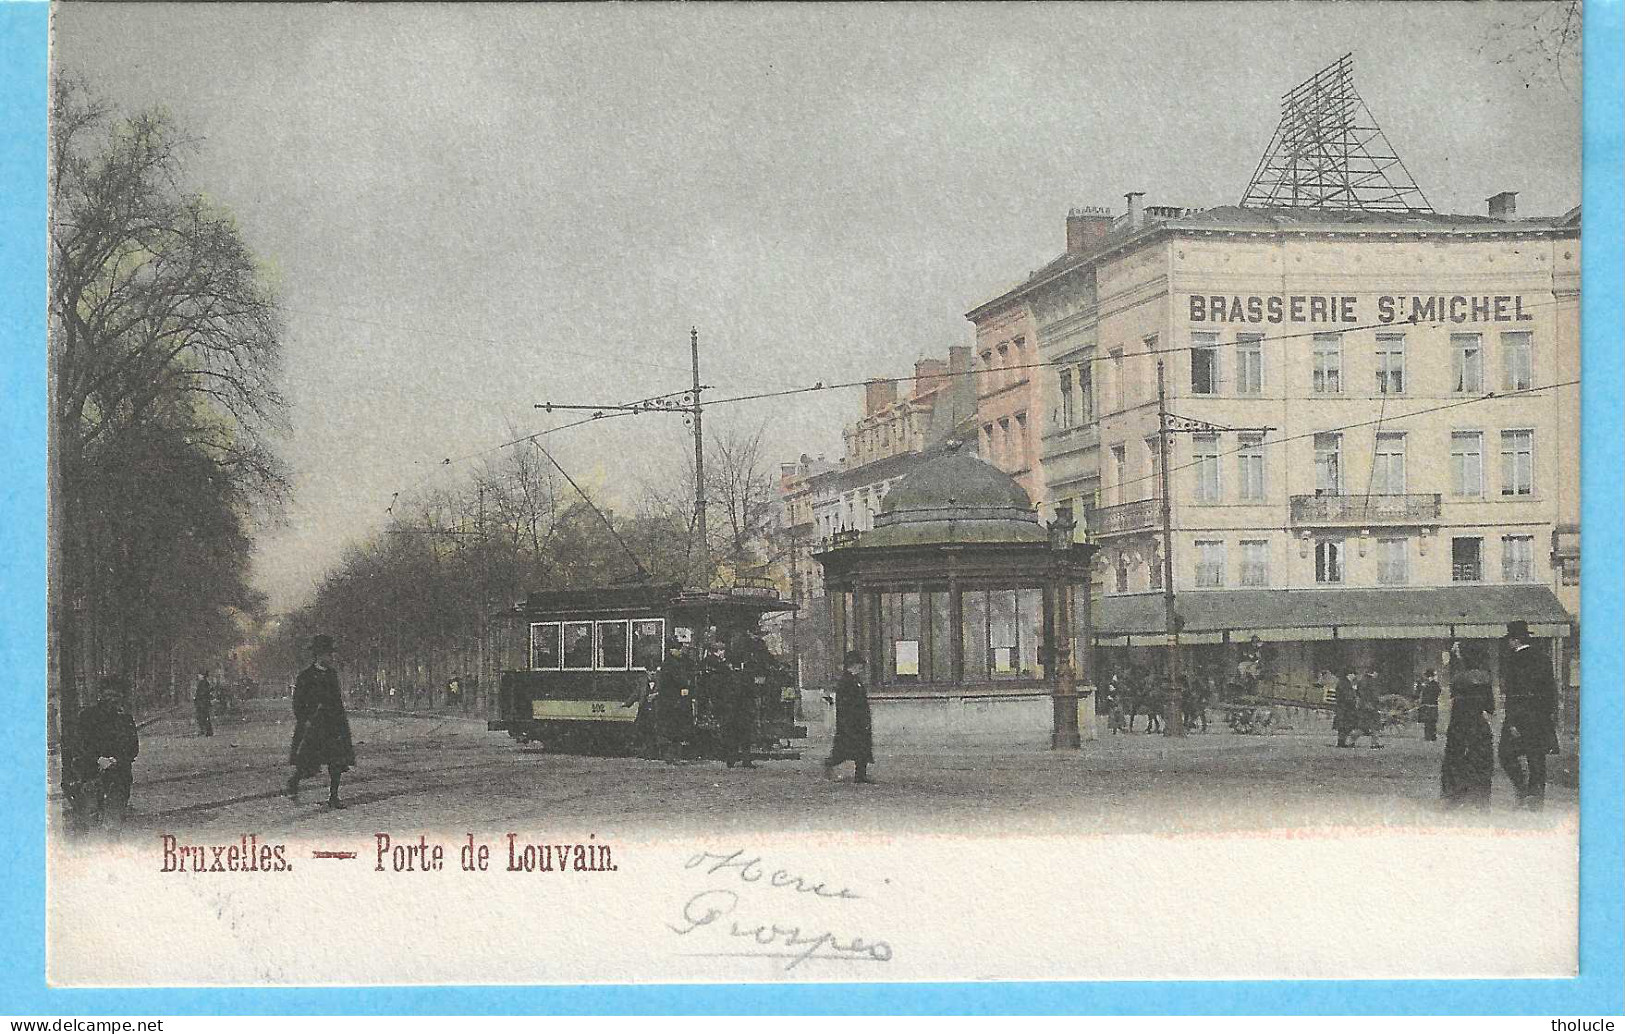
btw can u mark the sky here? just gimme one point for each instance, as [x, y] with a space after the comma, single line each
[467, 210]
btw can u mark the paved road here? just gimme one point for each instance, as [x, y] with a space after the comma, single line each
[448, 774]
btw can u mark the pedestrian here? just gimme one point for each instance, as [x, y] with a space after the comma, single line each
[1114, 705]
[103, 757]
[645, 734]
[746, 660]
[1368, 708]
[1469, 747]
[203, 704]
[321, 730]
[674, 706]
[854, 732]
[1346, 718]
[1252, 664]
[1427, 704]
[1153, 700]
[1529, 716]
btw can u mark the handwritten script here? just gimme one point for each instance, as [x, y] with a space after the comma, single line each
[720, 910]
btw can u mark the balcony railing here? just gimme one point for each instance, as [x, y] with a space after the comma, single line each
[1124, 518]
[1415, 508]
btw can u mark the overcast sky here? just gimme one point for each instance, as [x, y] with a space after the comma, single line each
[471, 209]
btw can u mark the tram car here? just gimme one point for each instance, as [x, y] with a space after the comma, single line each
[592, 653]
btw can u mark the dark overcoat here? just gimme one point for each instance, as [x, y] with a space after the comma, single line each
[106, 730]
[1427, 701]
[1345, 718]
[1531, 701]
[854, 734]
[674, 708]
[1469, 748]
[321, 729]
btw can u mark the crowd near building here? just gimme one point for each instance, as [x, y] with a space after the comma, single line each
[1370, 413]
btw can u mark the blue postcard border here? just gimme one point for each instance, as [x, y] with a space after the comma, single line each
[1600, 988]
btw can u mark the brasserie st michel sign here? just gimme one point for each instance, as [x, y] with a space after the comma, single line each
[1347, 308]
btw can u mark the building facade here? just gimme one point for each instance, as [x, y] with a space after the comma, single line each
[1376, 429]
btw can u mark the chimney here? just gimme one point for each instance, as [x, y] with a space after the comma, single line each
[928, 375]
[1136, 212]
[1085, 226]
[1504, 205]
[877, 395]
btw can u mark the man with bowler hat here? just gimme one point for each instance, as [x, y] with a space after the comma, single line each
[321, 730]
[1529, 725]
[854, 735]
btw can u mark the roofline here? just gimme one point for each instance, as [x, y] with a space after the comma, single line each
[1565, 225]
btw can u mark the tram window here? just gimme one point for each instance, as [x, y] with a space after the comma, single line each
[544, 646]
[648, 643]
[578, 645]
[612, 645]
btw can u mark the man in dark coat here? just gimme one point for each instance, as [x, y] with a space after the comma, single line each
[1529, 723]
[321, 730]
[854, 734]
[746, 660]
[1427, 704]
[203, 704]
[674, 705]
[104, 756]
[1346, 718]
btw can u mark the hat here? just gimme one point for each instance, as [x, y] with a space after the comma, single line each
[1517, 630]
[321, 644]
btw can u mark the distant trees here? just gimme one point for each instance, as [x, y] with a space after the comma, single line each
[164, 356]
[423, 602]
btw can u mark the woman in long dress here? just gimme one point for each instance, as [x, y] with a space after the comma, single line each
[1469, 747]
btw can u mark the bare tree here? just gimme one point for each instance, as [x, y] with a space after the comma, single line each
[1540, 40]
[161, 331]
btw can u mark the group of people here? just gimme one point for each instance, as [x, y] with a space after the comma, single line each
[716, 677]
[1528, 723]
[1129, 694]
[1358, 700]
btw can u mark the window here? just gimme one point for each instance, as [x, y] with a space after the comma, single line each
[1571, 570]
[544, 646]
[578, 645]
[1517, 361]
[1250, 468]
[1329, 561]
[613, 643]
[1388, 474]
[1204, 364]
[1120, 574]
[1392, 562]
[1086, 393]
[1255, 562]
[1518, 558]
[1328, 376]
[1467, 464]
[1517, 463]
[1250, 364]
[1390, 364]
[1205, 458]
[901, 636]
[1022, 462]
[1155, 572]
[1328, 464]
[1119, 380]
[1120, 472]
[1004, 450]
[1467, 560]
[1065, 416]
[1001, 631]
[1209, 564]
[648, 643]
[1467, 357]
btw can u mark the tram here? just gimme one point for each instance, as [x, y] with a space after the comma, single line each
[593, 652]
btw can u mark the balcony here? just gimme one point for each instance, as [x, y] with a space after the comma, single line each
[1416, 508]
[1140, 515]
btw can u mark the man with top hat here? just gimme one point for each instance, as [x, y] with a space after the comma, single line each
[854, 734]
[1529, 722]
[321, 731]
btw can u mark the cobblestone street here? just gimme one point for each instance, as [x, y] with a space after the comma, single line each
[439, 773]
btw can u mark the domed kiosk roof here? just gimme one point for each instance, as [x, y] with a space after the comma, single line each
[955, 498]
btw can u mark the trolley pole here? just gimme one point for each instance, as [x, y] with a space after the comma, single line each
[703, 562]
[1174, 720]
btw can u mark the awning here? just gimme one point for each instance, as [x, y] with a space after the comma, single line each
[1290, 615]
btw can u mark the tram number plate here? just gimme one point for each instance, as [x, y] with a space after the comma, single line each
[582, 711]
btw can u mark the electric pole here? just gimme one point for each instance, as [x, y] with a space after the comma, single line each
[701, 563]
[1173, 722]
[1169, 425]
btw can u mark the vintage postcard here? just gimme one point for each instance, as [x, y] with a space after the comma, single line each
[780, 493]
